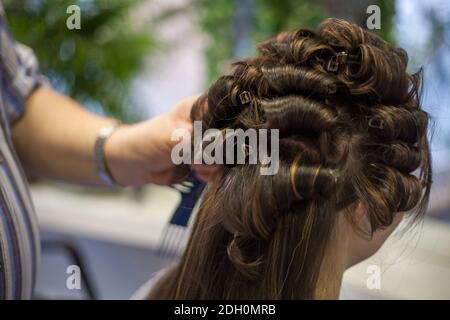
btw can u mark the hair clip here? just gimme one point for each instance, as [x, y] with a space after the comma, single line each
[331, 88]
[245, 97]
[333, 173]
[335, 61]
[376, 122]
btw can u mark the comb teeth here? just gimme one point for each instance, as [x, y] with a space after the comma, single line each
[171, 241]
[175, 232]
[184, 186]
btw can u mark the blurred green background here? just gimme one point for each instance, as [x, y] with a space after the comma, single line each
[94, 64]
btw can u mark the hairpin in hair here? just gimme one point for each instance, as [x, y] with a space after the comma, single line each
[376, 122]
[333, 173]
[373, 165]
[245, 97]
[336, 60]
[331, 88]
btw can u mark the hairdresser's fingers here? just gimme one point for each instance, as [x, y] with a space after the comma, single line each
[205, 168]
[203, 171]
[202, 177]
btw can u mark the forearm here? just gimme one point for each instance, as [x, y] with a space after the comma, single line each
[55, 138]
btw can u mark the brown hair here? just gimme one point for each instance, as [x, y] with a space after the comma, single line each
[351, 128]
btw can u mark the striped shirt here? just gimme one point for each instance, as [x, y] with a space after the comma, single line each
[19, 237]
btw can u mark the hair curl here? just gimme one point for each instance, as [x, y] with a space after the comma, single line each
[351, 128]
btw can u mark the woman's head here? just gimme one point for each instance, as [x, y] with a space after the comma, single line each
[353, 159]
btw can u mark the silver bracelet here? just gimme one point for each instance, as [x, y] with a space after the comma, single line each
[99, 154]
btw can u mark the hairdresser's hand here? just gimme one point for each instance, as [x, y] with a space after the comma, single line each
[140, 153]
